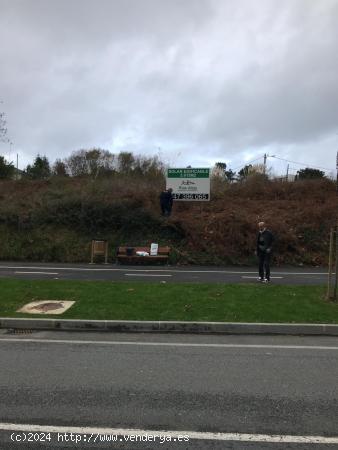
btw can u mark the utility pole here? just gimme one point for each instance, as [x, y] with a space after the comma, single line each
[17, 166]
[287, 173]
[336, 265]
[329, 294]
[337, 172]
[333, 255]
[265, 155]
[336, 269]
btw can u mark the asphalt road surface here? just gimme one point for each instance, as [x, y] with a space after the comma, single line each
[212, 392]
[110, 272]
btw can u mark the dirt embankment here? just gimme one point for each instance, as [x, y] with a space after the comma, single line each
[55, 220]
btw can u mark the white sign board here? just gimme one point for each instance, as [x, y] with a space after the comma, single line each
[189, 184]
[153, 249]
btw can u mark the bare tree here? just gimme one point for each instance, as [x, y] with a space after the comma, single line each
[92, 163]
[126, 162]
[218, 170]
[59, 169]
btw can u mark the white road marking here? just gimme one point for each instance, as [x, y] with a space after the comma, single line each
[170, 344]
[229, 272]
[173, 434]
[257, 278]
[38, 273]
[146, 275]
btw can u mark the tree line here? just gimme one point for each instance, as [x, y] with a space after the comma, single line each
[220, 171]
[92, 163]
[96, 162]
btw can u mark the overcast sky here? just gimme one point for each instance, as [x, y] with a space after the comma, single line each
[198, 81]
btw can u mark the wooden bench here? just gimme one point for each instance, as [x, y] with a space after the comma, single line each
[127, 255]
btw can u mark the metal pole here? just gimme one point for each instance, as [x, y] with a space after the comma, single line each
[287, 173]
[264, 163]
[329, 281]
[336, 253]
[337, 172]
[336, 269]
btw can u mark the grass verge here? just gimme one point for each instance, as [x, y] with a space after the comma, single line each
[188, 302]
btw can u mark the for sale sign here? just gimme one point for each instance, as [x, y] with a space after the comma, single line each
[189, 184]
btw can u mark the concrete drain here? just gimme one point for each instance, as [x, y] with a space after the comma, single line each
[46, 307]
[18, 331]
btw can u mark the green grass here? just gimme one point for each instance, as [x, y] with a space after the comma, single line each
[190, 302]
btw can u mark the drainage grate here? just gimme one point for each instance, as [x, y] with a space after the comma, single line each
[19, 331]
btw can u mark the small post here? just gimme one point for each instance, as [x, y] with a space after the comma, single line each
[106, 253]
[92, 254]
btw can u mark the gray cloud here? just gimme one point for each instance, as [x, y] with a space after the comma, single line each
[204, 80]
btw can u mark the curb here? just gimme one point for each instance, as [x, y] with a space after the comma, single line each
[127, 326]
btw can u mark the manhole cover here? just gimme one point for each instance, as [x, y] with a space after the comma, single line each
[46, 307]
[50, 306]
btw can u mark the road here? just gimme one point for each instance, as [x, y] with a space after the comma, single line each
[179, 274]
[258, 392]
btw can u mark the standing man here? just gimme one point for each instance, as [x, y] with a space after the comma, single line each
[166, 202]
[265, 241]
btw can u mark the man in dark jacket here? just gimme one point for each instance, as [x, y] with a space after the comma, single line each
[265, 241]
[166, 202]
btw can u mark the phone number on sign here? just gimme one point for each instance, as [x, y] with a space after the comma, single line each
[191, 196]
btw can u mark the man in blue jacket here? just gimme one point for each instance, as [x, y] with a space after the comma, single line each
[265, 241]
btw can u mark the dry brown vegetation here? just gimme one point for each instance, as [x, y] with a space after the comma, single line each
[54, 220]
[299, 214]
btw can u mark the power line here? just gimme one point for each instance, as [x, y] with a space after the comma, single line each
[286, 160]
[248, 162]
[301, 164]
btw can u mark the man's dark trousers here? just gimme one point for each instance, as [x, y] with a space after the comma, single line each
[264, 263]
[166, 209]
[163, 209]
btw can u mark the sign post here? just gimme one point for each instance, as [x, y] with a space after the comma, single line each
[189, 184]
